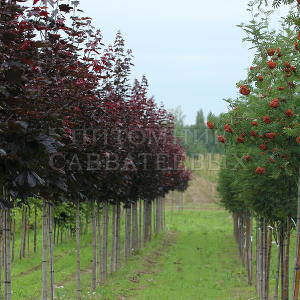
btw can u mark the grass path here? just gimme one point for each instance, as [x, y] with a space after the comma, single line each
[199, 262]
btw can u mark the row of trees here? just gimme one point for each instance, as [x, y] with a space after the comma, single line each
[260, 175]
[75, 133]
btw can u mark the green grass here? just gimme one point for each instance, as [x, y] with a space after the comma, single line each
[199, 262]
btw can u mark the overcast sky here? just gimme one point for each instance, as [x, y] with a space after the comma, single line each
[190, 51]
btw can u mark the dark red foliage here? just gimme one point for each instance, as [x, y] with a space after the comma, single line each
[51, 90]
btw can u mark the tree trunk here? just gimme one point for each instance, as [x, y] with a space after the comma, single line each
[145, 219]
[22, 243]
[28, 230]
[44, 253]
[277, 268]
[51, 251]
[35, 229]
[268, 260]
[140, 243]
[259, 261]
[7, 255]
[263, 259]
[98, 221]
[296, 279]
[61, 235]
[153, 219]
[105, 219]
[118, 241]
[286, 252]
[25, 232]
[242, 239]
[57, 233]
[86, 228]
[78, 284]
[134, 227]
[127, 232]
[249, 249]
[114, 243]
[163, 203]
[94, 232]
[13, 240]
[285, 241]
[158, 215]
[1, 250]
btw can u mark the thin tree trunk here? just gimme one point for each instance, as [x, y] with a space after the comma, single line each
[78, 283]
[114, 243]
[242, 237]
[94, 232]
[35, 229]
[25, 232]
[105, 219]
[234, 218]
[28, 230]
[150, 221]
[86, 223]
[249, 249]
[153, 212]
[264, 258]
[285, 236]
[54, 232]
[61, 235]
[1, 251]
[22, 233]
[277, 268]
[161, 210]
[7, 257]
[127, 232]
[157, 215]
[164, 214]
[145, 219]
[13, 240]
[118, 240]
[98, 221]
[286, 250]
[51, 251]
[57, 233]
[259, 258]
[140, 243]
[268, 238]
[44, 253]
[296, 279]
[134, 227]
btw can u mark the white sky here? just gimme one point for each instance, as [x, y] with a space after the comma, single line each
[190, 51]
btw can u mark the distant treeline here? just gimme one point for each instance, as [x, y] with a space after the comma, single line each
[196, 138]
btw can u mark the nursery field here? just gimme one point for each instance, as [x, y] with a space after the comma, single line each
[195, 258]
[106, 194]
